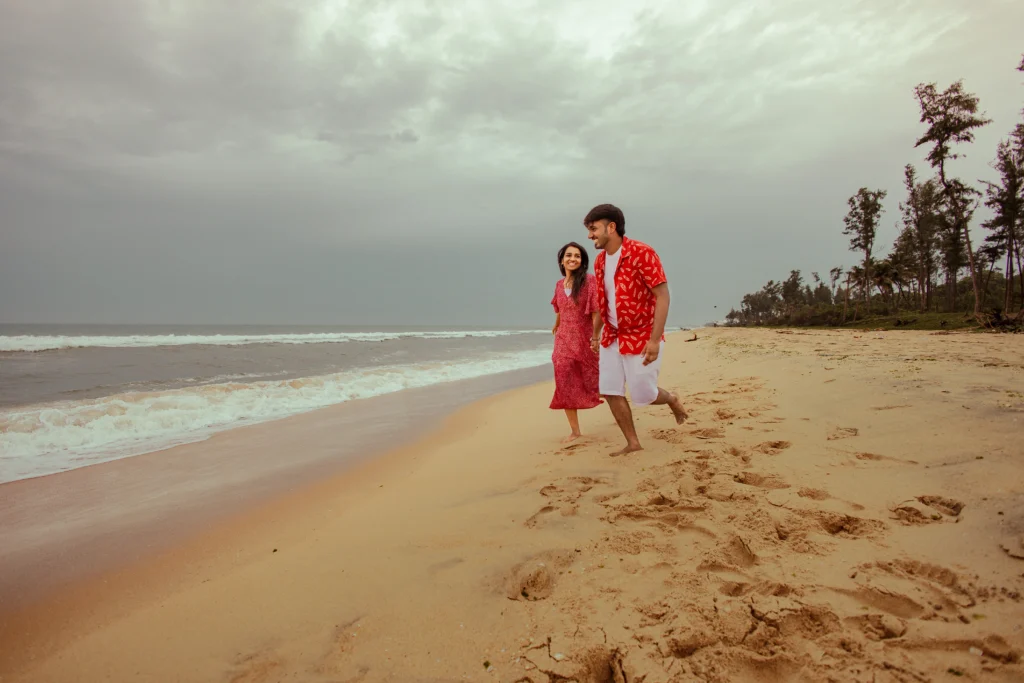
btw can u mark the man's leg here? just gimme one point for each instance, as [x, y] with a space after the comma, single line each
[624, 418]
[644, 390]
[612, 384]
[674, 404]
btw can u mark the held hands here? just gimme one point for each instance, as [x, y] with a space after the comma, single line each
[595, 345]
[652, 351]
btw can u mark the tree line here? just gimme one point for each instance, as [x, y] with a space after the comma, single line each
[934, 264]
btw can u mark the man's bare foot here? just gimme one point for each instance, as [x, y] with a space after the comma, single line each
[677, 409]
[629, 448]
[571, 438]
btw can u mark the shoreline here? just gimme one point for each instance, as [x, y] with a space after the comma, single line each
[68, 526]
[463, 551]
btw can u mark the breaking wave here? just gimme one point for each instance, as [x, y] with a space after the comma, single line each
[46, 438]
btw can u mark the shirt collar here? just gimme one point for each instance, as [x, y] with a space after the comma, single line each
[624, 250]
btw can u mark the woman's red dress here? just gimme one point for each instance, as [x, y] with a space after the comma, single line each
[575, 362]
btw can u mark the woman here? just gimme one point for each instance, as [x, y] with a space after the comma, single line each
[577, 321]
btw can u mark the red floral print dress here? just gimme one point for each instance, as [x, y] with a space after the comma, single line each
[575, 362]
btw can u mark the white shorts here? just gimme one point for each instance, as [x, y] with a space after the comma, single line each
[618, 371]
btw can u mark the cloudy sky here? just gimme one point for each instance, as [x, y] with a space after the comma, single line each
[420, 162]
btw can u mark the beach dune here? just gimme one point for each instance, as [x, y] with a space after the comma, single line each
[841, 506]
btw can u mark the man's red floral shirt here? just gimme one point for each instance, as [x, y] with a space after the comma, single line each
[639, 271]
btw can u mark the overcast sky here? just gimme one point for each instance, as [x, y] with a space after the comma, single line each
[421, 162]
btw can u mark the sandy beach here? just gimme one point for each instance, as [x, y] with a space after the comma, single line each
[841, 506]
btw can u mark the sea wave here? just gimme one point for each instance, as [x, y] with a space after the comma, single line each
[15, 343]
[46, 438]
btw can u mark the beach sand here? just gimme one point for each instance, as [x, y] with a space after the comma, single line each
[841, 506]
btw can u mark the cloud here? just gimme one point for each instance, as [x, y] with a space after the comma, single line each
[469, 123]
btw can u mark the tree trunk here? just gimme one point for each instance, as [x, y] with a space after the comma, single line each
[867, 279]
[988, 278]
[1008, 285]
[974, 273]
[951, 289]
[922, 295]
[846, 298]
[1020, 275]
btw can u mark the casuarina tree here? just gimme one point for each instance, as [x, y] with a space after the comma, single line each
[862, 225]
[952, 117]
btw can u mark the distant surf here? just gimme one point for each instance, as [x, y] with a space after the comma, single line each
[34, 343]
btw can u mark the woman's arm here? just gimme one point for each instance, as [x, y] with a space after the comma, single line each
[558, 319]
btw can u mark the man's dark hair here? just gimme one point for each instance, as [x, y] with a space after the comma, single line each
[607, 212]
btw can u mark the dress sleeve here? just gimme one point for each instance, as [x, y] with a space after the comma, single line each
[651, 270]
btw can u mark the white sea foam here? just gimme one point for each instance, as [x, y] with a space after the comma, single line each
[47, 438]
[54, 342]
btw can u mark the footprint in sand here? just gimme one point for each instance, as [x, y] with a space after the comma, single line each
[813, 494]
[992, 647]
[772, 447]
[910, 590]
[838, 524]
[761, 481]
[947, 506]
[535, 578]
[338, 652]
[729, 556]
[651, 502]
[564, 498]
[911, 513]
[256, 668]
[879, 626]
[672, 436]
[926, 510]
[875, 457]
[536, 519]
[885, 600]
[572, 486]
[843, 433]
[637, 542]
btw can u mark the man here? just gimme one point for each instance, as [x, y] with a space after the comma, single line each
[634, 302]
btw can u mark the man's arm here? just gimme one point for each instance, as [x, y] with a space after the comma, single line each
[653, 275]
[661, 304]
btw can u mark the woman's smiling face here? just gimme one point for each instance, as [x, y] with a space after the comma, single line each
[571, 260]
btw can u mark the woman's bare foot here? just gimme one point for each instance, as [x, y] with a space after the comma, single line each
[571, 438]
[629, 448]
[677, 409]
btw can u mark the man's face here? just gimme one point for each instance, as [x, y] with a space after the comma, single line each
[600, 231]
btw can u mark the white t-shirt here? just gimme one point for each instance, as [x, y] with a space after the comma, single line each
[611, 262]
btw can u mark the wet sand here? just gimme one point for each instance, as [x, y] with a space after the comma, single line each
[842, 506]
[71, 526]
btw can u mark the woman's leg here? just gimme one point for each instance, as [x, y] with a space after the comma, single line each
[574, 424]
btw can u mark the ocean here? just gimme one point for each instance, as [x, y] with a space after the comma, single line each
[76, 395]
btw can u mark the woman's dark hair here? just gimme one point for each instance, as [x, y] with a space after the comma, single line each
[579, 278]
